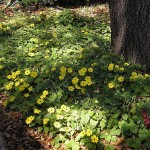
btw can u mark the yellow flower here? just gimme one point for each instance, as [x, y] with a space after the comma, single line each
[57, 125]
[146, 76]
[88, 80]
[83, 133]
[90, 69]
[40, 101]
[110, 67]
[126, 64]
[17, 72]
[59, 116]
[17, 83]
[70, 88]
[12, 98]
[45, 92]
[94, 139]
[32, 25]
[82, 71]
[26, 95]
[9, 77]
[30, 89]
[51, 110]
[121, 69]
[45, 121]
[1, 67]
[25, 85]
[64, 108]
[67, 109]
[13, 76]
[121, 79]
[21, 88]
[27, 72]
[89, 132]
[58, 111]
[77, 87]
[61, 77]
[42, 96]
[63, 69]
[29, 119]
[33, 74]
[8, 87]
[79, 56]
[111, 85]
[75, 80]
[53, 69]
[134, 74]
[83, 83]
[70, 70]
[117, 67]
[37, 111]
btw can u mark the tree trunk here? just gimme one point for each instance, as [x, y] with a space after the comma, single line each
[130, 27]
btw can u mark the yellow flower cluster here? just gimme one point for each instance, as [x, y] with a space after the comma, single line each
[65, 108]
[51, 110]
[45, 121]
[59, 117]
[75, 80]
[37, 111]
[135, 75]
[23, 85]
[9, 86]
[30, 119]
[41, 99]
[88, 132]
[87, 81]
[82, 71]
[13, 75]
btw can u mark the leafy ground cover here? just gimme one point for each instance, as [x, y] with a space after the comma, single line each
[56, 69]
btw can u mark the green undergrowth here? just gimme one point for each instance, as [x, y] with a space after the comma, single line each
[56, 69]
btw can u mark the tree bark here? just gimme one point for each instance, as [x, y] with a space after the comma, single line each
[130, 27]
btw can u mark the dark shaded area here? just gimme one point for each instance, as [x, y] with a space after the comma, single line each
[14, 131]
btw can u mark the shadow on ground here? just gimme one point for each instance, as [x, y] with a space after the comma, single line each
[15, 132]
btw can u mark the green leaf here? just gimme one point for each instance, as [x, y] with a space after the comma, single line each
[102, 124]
[85, 118]
[40, 129]
[125, 116]
[108, 138]
[57, 145]
[74, 112]
[46, 129]
[93, 123]
[75, 146]
[109, 147]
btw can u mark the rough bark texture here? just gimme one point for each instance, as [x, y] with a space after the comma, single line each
[130, 26]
